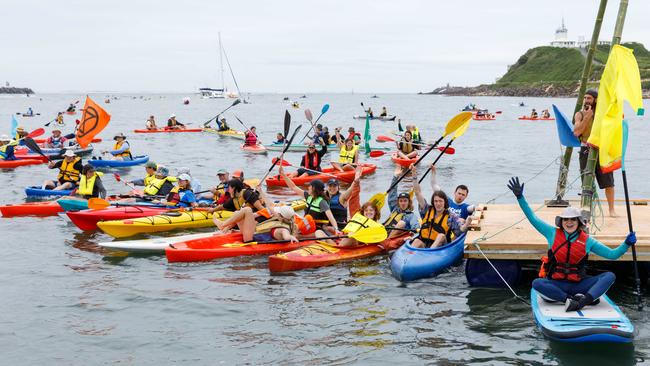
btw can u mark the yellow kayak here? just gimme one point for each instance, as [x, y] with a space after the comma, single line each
[169, 221]
[229, 133]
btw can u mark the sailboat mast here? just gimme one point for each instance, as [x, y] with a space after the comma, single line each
[223, 85]
[232, 73]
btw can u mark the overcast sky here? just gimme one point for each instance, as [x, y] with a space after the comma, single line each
[306, 46]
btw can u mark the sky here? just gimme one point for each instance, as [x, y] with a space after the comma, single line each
[280, 46]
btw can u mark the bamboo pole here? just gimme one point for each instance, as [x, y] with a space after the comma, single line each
[586, 72]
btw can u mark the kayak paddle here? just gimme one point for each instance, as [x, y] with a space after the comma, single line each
[454, 124]
[367, 235]
[326, 107]
[237, 101]
[286, 163]
[459, 132]
[32, 145]
[96, 203]
[119, 179]
[446, 150]
[275, 162]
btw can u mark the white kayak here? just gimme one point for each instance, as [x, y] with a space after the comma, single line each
[150, 246]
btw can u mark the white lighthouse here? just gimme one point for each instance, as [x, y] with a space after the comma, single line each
[562, 39]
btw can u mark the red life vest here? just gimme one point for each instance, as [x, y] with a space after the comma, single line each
[352, 134]
[567, 261]
[251, 139]
[314, 164]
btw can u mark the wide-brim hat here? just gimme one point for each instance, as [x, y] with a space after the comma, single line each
[119, 135]
[69, 153]
[286, 212]
[568, 213]
[5, 138]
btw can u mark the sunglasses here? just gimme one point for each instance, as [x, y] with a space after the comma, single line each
[311, 147]
[570, 219]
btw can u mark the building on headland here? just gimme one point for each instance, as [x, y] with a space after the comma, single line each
[562, 40]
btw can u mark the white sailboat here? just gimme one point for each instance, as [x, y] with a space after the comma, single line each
[223, 92]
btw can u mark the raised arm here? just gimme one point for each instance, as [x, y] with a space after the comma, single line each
[422, 202]
[542, 227]
[434, 184]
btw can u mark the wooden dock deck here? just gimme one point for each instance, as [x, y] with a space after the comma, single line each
[523, 242]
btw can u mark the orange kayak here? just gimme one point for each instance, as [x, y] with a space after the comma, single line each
[169, 130]
[322, 254]
[401, 161]
[48, 208]
[344, 176]
[224, 246]
[254, 149]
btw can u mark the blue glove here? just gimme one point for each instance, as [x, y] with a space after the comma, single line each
[630, 239]
[516, 187]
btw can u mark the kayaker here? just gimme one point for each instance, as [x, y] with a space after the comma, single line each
[30, 112]
[151, 123]
[318, 134]
[239, 197]
[121, 149]
[222, 125]
[546, 114]
[401, 215]
[415, 133]
[439, 225]
[326, 135]
[310, 163]
[369, 112]
[71, 108]
[181, 195]
[338, 201]
[220, 193]
[369, 215]
[356, 136]
[195, 183]
[317, 204]
[280, 226]
[161, 184]
[56, 141]
[6, 148]
[59, 119]
[279, 139]
[582, 129]
[348, 156]
[533, 113]
[384, 112]
[457, 205]
[173, 124]
[20, 135]
[90, 183]
[150, 169]
[405, 147]
[70, 169]
[563, 274]
[250, 138]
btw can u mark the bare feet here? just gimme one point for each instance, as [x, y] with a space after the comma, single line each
[218, 223]
[612, 213]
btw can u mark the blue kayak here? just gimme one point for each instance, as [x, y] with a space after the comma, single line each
[137, 160]
[603, 322]
[409, 263]
[38, 192]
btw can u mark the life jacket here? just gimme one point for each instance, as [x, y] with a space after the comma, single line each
[313, 208]
[56, 142]
[240, 201]
[267, 226]
[416, 135]
[351, 136]
[220, 191]
[87, 186]
[155, 184]
[430, 228]
[406, 147]
[176, 196]
[347, 156]
[67, 171]
[358, 222]
[394, 218]
[3, 151]
[126, 153]
[148, 179]
[340, 213]
[312, 161]
[566, 260]
[251, 139]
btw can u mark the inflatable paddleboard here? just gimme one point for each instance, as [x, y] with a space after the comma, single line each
[603, 322]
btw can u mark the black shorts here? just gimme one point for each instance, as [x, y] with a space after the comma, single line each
[605, 180]
[302, 171]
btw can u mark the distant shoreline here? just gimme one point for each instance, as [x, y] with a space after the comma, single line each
[13, 90]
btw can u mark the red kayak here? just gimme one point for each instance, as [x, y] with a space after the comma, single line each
[478, 118]
[88, 219]
[322, 254]
[254, 149]
[47, 208]
[344, 176]
[224, 246]
[70, 112]
[168, 130]
[10, 164]
[401, 161]
[526, 118]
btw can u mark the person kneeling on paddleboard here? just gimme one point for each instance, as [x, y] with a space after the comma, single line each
[563, 273]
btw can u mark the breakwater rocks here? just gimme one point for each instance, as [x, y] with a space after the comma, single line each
[13, 90]
[549, 90]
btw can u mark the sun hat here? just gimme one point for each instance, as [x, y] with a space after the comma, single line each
[69, 153]
[5, 138]
[119, 135]
[568, 213]
[184, 177]
[172, 115]
[286, 212]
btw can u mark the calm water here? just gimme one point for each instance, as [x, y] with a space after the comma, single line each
[65, 302]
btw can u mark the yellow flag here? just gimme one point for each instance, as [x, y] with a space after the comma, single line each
[620, 82]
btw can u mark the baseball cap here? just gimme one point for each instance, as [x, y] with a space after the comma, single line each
[162, 170]
[222, 171]
[332, 182]
[404, 195]
[151, 164]
[184, 177]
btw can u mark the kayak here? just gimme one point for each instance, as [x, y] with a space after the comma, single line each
[152, 245]
[137, 160]
[409, 263]
[70, 112]
[401, 161]
[525, 118]
[82, 204]
[73, 204]
[25, 154]
[322, 254]
[229, 133]
[387, 118]
[35, 191]
[224, 246]
[48, 208]
[10, 164]
[42, 141]
[254, 149]
[168, 130]
[303, 148]
[477, 118]
[88, 219]
[169, 221]
[603, 322]
[345, 176]
[58, 151]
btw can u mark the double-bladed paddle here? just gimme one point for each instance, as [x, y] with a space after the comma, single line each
[237, 101]
[286, 147]
[459, 132]
[309, 116]
[368, 235]
[32, 145]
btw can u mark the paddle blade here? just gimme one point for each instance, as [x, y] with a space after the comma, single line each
[287, 123]
[117, 177]
[461, 130]
[281, 162]
[308, 115]
[32, 145]
[326, 108]
[97, 203]
[377, 153]
[370, 235]
[456, 122]
[450, 150]
[37, 132]
[237, 101]
[382, 138]
[378, 199]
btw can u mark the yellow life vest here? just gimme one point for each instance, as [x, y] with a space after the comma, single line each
[358, 222]
[148, 179]
[67, 172]
[406, 147]
[394, 218]
[274, 223]
[86, 186]
[155, 184]
[347, 156]
[431, 228]
[117, 146]
[416, 134]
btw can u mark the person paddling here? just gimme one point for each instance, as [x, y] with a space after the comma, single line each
[310, 163]
[59, 119]
[348, 156]
[70, 169]
[173, 124]
[533, 113]
[161, 184]
[279, 139]
[384, 112]
[150, 170]
[71, 108]
[151, 123]
[563, 274]
[250, 138]
[20, 135]
[219, 194]
[90, 183]
[222, 125]
[546, 114]
[121, 149]
[56, 141]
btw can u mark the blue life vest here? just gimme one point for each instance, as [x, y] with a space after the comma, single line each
[340, 213]
[460, 210]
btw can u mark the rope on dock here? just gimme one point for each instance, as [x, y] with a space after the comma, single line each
[556, 161]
